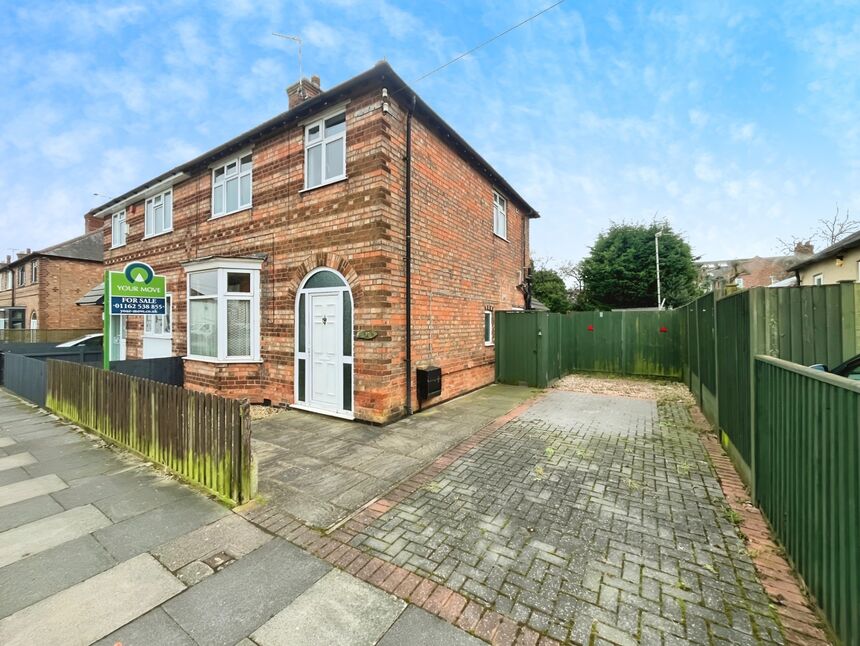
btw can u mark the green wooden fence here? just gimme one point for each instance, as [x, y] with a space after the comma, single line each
[536, 348]
[807, 470]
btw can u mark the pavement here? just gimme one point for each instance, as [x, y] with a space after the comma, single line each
[321, 470]
[575, 518]
[97, 546]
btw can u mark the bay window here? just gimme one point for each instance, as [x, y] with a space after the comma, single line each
[159, 214]
[231, 186]
[224, 309]
[325, 150]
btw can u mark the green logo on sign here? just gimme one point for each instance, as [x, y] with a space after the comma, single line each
[138, 272]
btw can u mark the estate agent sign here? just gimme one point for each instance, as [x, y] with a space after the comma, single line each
[136, 290]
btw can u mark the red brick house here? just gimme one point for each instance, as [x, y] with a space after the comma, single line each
[38, 289]
[287, 252]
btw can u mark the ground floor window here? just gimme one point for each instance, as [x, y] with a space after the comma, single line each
[34, 321]
[159, 324]
[224, 309]
[488, 327]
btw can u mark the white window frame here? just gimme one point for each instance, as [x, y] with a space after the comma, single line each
[818, 279]
[500, 215]
[488, 327]
[149, 209]
[220, 184]
[34, 272]
[149, 321]
[323, 141]
[117, 229]
[858, 271]
[22, 275]
[223, 266]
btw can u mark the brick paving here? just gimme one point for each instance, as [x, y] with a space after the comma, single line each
[585, 518]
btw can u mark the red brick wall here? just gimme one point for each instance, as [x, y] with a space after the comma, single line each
[356, 227]
[459, 266]
[61, 283]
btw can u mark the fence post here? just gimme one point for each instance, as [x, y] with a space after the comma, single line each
[754, 349]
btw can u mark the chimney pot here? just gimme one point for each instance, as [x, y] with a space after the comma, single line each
[315, 80]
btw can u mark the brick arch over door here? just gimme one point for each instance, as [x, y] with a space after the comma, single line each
[327, 261]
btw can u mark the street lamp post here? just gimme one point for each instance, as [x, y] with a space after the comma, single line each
[657, 253]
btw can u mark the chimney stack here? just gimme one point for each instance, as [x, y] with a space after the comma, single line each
[804, 248]
[303, 90]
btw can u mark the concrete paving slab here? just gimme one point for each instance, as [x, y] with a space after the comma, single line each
[233, 603]
[27, 511]
[155, 628]
[40, 535]
[337, 609]
[144, 531]
[232, 534]
[13, 475]
[142, 499]
[16, 460]
[94, 608]
[6, 441]
[25, 489]
[96, 488]
[42, 575]
[418, 627]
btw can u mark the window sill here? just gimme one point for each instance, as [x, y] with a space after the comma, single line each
[225, 215]
[221, 361]
[119, 246]
[327, 183]
[156, 235]
[488, 345]
[501, 237]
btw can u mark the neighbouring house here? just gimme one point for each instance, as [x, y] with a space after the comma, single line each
[837, 263]
[38, 289]
[330, 256]
[744, 273]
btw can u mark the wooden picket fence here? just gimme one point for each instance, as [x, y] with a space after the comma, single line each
[203, 438]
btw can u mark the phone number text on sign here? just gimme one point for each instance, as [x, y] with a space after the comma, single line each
[136, 305]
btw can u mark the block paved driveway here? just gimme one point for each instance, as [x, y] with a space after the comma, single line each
[97, 547]
[587, 518]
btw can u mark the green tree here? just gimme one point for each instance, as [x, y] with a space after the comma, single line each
[621, 270]
[549, 288]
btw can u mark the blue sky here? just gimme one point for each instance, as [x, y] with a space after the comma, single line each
[737, 121]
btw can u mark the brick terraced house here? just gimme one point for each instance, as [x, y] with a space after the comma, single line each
[38, 289]
[325, 257]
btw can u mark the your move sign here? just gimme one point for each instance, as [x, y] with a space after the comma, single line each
[136, 290]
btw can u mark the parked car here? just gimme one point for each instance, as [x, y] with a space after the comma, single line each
[849, 369]
[86, 341]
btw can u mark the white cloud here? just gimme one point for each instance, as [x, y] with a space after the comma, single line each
[698, 118]
[705, 170]
[743, 132]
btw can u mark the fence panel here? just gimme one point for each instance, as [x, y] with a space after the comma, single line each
[203, 438]
[734, 376]
[25, 377]
[808, 473]
[164, 370]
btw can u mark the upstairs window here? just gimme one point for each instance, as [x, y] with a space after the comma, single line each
[22, 274]
[117, 229]
[34, 271]
[500, 216]
[159, 214]
[325, 150]
[231, 186]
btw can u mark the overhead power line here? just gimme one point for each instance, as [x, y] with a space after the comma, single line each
[488, 41]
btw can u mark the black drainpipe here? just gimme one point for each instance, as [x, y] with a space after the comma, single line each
[409, 257]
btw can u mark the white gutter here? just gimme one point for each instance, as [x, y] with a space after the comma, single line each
[160, 187]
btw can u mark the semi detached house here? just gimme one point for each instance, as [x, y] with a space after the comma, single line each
[326, 257]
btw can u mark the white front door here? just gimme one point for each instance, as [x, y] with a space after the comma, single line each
[117, 337]
[326, 337]
[158, 333]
